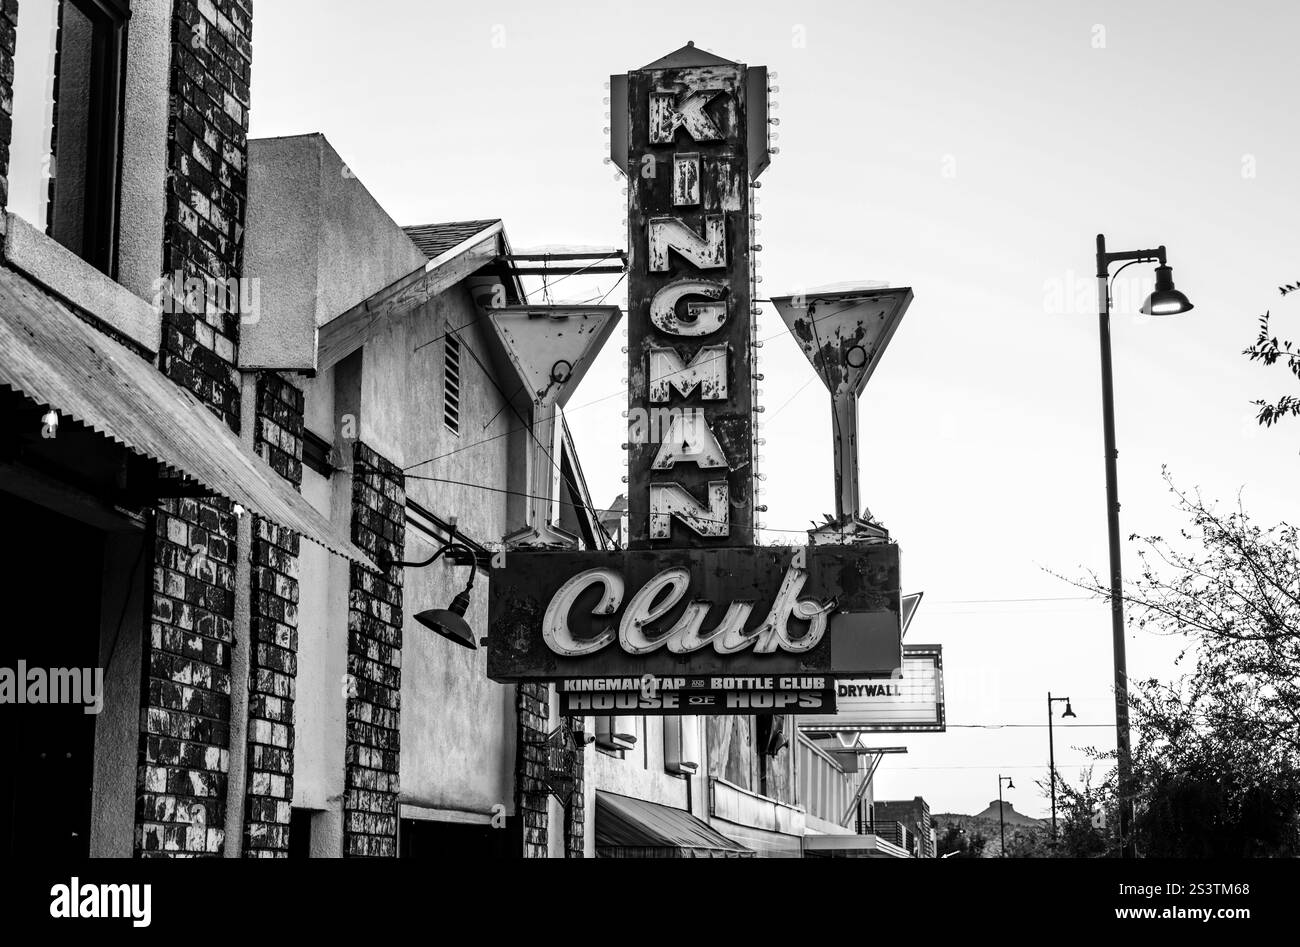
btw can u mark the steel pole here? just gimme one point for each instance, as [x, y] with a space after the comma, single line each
[1122, 752]
[1002, 826]
[1051, 762]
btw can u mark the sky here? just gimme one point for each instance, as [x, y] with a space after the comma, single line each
[970, 151]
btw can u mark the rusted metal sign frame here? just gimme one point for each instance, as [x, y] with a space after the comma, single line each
[690, 255]
[861, 634]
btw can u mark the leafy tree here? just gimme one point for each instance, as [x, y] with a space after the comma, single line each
[955, 839]
[1026, 842]
[1084, 816]
[1268, 350]
[1216, 760]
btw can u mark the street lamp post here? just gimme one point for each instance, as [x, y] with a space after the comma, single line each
[1051, 750]
[1164, 301]
[1002, 825]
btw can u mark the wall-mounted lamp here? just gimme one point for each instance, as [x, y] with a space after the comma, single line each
[450, 621]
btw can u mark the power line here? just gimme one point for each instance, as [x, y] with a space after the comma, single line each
[613, 394]
[530, 496]
[545, 285]
[983, 601]
[1034, 726]
[997, 766]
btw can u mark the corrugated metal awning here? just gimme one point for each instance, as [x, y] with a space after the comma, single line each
[54, 358]
[636, 827]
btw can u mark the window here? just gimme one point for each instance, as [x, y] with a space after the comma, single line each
[615, 734]
[451, 383]
[65, 154]
[681, 745]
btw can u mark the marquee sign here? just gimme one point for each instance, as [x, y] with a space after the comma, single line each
[911, 701]
[756, 610]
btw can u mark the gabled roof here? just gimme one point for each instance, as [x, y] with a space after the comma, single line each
[436, 239]
[689, 55]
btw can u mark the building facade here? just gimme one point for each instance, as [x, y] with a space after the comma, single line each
[278, 445]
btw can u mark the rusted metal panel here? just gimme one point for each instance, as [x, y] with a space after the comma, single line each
[706, 369]
[551, 348]
[759, 610]
[844, 334]
[688, 292]
[686, 179]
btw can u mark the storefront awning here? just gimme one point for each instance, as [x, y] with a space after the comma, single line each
[635, 828]
[54, 358]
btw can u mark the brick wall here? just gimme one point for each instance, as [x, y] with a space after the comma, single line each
[575, 814]
[206, 190]
[370, 809]
[273, 653]
[532, 703]
[185, 690]
[913, 813]
[186, 680]
[8, 33]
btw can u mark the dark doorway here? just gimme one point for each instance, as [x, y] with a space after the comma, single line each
[50, 583]
[421, 838]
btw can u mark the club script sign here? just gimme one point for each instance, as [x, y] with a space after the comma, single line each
[752, 611]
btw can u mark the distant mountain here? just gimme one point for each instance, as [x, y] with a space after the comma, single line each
[986, 824]
[1009, 815]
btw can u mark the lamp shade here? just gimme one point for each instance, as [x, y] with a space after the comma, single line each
[450, 621]
[1069, 711]
[1165, 300]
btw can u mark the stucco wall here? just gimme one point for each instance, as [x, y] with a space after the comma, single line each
[322, 661]
[458, 727]
[318, 243]
[641, 772]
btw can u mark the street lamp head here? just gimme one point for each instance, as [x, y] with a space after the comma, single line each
[1010, 784]
[1165, 300]
[1069, 711]
[450, 622]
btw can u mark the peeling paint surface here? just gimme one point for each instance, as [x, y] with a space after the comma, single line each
[707, 370]
[689, 321]
[844, 336]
